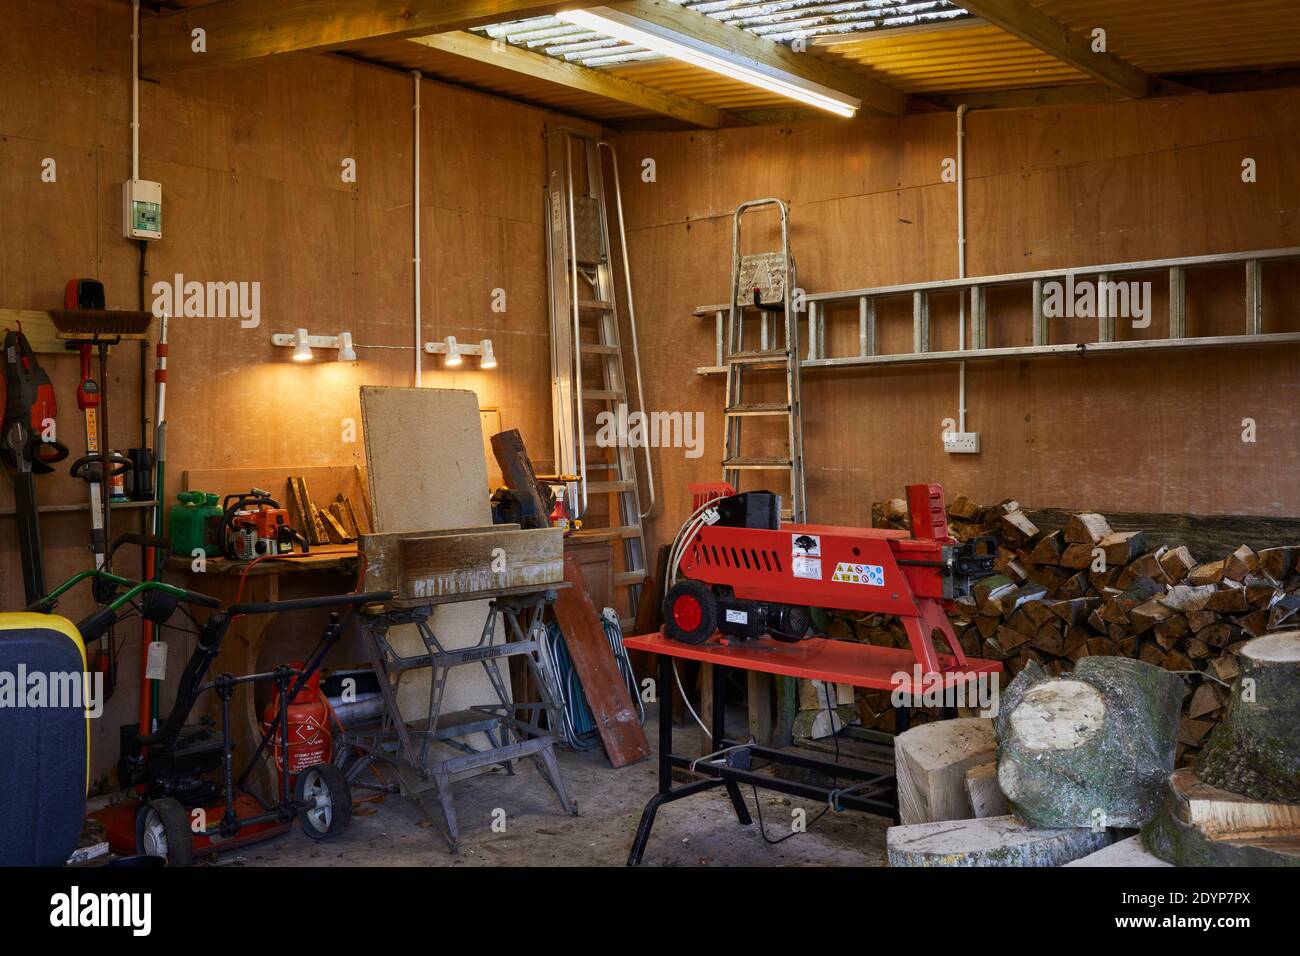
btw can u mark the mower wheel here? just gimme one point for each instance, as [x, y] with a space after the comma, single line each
[690, 612]
[329, 801]
[162, 828]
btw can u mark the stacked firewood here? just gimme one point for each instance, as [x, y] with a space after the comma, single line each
[1087, 590]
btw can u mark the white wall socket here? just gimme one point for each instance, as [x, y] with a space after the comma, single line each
[961, 443]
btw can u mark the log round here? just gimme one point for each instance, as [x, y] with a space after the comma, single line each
[1092, 749]
[1200, 825]
[1255, 751]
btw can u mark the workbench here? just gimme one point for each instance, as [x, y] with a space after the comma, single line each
[817, 658]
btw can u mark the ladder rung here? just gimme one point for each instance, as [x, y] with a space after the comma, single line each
[756, 463]
[758, 408]
[603, 534]
[603, 395]
[769, 357]
[595, 348]
[624, 579]
[595, 305]
[608, 487]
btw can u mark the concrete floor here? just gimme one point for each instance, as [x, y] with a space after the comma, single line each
[697, 831]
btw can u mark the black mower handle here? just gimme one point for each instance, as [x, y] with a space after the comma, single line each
[304, 604]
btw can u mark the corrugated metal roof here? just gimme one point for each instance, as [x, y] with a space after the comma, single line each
[919, 46]
[782, 21]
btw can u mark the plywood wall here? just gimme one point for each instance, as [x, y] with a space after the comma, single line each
[1046, 188]
[250, 162]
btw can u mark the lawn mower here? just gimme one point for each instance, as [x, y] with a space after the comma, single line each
[745, 574]
[175, 811]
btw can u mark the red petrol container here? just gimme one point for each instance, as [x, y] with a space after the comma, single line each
[310, 741]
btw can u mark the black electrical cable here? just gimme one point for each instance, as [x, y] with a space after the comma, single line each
[758, 804]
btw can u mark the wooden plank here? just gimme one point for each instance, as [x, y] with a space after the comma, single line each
[1030, 24]
[611, 705]
[759, 699]
[573, 76]
[440, 565]
[37, 326]
[242, 30]
[765, 54]
[518, 474]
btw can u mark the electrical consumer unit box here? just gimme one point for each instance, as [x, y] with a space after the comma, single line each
[141, 209]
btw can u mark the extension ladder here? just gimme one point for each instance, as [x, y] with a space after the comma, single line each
[762, 288]
[587, 369]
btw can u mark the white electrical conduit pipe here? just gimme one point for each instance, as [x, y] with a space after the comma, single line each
[415, 221]
[135, 90]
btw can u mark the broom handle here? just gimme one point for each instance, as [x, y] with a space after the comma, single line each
[149, 690]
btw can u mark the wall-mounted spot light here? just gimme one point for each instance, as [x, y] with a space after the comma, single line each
[302, 344]
[454, 351]
[301, 350]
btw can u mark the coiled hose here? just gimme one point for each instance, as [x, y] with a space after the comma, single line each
[578, 730]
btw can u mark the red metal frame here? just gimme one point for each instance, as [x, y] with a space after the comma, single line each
[870, 570]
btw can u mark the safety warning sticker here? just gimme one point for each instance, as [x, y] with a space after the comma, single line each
[805, 567]
[850, 573]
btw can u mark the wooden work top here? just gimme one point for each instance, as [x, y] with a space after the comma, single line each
[818, 658]
[325, 557]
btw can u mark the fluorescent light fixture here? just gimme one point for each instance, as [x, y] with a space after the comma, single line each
[489, 359]
[346, 352]
[688, 49]
[301, 350]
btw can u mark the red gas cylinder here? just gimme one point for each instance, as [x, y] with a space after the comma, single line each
[308, 718]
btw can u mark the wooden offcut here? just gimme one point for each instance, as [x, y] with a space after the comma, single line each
[615, 714]
[930, 762]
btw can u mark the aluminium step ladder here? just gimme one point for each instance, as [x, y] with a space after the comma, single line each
[763, 288]
[587, 367]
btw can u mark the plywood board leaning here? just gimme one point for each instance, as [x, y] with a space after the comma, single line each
[427, 471]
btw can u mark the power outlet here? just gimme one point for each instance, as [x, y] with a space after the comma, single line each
[961, 443]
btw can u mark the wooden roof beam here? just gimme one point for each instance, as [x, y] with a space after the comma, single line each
[765, 54]
[239, 30]
[1036, 28]
[574, 76]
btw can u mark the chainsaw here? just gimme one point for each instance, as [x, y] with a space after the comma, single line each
[253, 525]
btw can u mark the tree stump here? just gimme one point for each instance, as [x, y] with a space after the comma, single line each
[1092, 749]
[1255, 751]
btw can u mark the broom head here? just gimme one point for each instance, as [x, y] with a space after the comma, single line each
[91, 325]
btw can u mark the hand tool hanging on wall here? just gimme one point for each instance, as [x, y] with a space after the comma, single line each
[89, 294]
[84, 324]
[28, 447]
